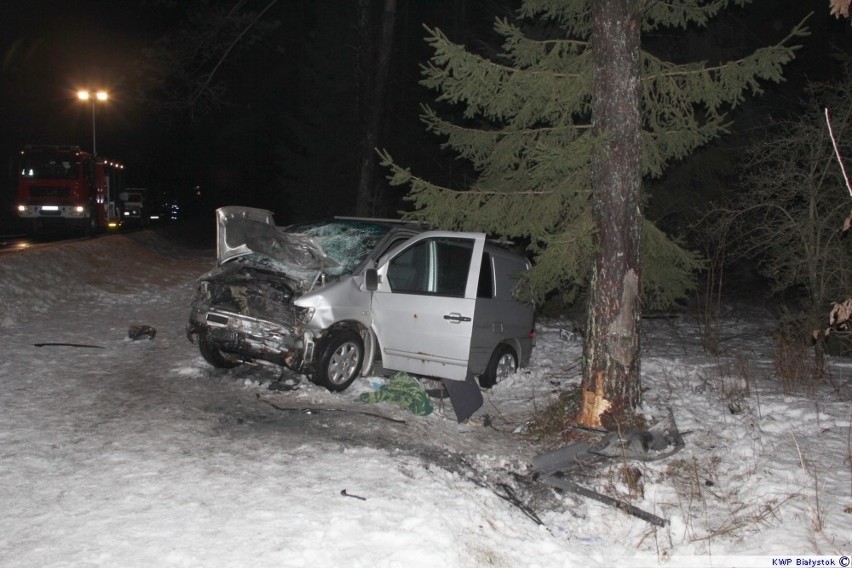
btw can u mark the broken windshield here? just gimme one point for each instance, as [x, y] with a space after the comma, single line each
[346, 241]
[304, 252]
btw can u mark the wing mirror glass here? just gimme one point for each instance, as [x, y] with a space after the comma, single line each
[371, 278]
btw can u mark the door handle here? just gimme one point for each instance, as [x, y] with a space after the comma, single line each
[456, 318]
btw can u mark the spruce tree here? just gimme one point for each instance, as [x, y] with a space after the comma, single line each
[562, 126]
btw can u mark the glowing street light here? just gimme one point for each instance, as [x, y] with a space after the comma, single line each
[93, 96]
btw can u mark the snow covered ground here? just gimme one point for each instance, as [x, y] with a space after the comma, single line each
[127, 453]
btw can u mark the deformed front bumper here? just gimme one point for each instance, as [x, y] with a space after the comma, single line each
[248, 337]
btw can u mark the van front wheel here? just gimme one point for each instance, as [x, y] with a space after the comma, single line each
[504, 362]
[214, 356]
[340, 361]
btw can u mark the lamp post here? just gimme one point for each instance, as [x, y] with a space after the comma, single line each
[93, 96]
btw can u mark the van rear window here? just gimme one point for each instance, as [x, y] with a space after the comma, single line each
[485, 289]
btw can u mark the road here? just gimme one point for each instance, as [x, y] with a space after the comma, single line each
[17, 242]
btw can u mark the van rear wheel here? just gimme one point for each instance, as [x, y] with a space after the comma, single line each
[503, 362]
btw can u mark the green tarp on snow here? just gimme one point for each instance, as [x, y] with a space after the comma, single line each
[403, 390]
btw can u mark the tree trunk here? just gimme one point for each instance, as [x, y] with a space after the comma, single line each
[611, 381]
[374, 105]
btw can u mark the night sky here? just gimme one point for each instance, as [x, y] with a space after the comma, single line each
[52, 49]
[286, 125]
[285, 139]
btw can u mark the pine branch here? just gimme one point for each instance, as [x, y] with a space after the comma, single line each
[680, 14]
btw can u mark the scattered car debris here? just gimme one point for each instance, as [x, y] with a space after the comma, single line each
[658, 442]
[67, 345]
[509, 495]
[564, 459]
[345, 494]
[568, 485]
[465, 397]
[135, 332]
[286, 382]
[571, 332]
[311, 410]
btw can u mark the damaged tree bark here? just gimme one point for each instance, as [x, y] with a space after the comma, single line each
[611, 385]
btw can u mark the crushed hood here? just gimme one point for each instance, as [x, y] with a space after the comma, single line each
[245, 230]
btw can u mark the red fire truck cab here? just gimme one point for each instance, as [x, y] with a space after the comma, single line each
[62, 187]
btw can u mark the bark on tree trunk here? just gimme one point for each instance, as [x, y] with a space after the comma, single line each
[374, 105]
[611, 382]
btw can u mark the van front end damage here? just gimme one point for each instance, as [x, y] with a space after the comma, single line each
[238, 337]
[241, 313]
[244, 309]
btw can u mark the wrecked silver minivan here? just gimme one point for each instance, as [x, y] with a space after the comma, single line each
[337, 299]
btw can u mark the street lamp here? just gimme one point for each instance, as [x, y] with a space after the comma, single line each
[93, 96]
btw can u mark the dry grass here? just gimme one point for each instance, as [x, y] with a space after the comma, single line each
[796, 362]
[552, 423]
[727, 378]
[731, 379]
[701, 497]
[817, 521]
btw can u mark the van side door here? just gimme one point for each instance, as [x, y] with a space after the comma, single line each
[424, 304]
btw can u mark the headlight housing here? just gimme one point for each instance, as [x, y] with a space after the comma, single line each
[304, 315]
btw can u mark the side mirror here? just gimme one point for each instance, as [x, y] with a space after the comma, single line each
[371, 278]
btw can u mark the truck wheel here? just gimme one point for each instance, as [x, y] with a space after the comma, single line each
[341, 360]
[504, 362]
[214, 356]
[91, 227]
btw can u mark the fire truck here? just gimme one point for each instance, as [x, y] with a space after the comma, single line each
[64, 188]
